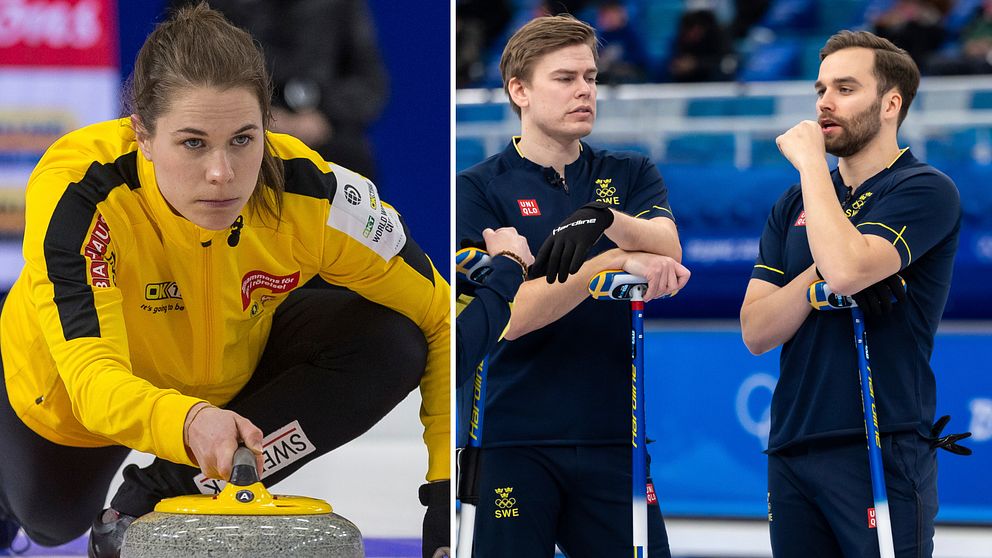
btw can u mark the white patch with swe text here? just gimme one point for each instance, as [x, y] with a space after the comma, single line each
[280, 449]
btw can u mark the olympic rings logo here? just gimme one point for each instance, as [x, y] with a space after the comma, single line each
[606, 192]
[505, 503]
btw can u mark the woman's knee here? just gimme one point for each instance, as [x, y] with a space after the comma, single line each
[397, 350]
[50, 525]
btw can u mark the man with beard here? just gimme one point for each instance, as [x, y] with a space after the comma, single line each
[879, 213]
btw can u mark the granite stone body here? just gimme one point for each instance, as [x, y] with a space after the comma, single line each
[168, 535]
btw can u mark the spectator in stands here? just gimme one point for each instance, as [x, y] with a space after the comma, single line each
[975, 54]
[329, 80]
[477, 24]
[914, 25]
[702, 49]
[746, 14]
[623, 57]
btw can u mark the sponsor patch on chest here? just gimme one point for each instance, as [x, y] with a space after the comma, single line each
[278, 284]
[529, 208]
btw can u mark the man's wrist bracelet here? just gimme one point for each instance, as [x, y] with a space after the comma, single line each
[516, 258]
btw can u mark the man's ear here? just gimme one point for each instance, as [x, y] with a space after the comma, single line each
[892, 104]
[518, 92]
[141, 134]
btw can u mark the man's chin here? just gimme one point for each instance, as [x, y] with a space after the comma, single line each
[580, 129]
[838, 148]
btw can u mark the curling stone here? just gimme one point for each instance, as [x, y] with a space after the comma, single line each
[243, 520]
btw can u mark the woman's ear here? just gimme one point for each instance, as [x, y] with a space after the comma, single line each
[141, 134]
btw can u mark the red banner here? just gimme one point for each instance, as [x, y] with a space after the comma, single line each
[81, 33]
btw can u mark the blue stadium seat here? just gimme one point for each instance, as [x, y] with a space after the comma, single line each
[764, 152]
[810, 56]
[952, 148]
[634, 146]
[467, 153]
[840, 14]
[489, 112]
[739, 106]
[703, 149]
[792, 15]
[775, 61]
[982, 100]
[658, 24]
[959, 15]
[976, 194]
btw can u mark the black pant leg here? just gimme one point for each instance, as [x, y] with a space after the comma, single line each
[53, 491]
[334, 362]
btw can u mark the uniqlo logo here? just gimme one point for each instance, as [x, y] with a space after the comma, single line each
[652, 497]
[528, 208]
[801, 221]
[871, 518]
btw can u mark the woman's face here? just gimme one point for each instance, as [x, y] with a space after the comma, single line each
[207, 151]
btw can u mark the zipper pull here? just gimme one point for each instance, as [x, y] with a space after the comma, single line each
[235, 236]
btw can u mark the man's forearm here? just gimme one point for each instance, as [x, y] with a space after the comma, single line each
[841, 253]
[538, 304]
[770, 321]
[654, 236]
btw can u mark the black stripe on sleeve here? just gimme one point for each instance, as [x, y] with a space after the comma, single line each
[67, 235]
[306, 179]
[414, 256]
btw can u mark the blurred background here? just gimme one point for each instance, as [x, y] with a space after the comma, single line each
[703, 87]
[367, 83]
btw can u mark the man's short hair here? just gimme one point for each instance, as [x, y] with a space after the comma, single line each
[538, 37]
[893, 66]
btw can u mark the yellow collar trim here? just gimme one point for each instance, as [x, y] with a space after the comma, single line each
[901, 151]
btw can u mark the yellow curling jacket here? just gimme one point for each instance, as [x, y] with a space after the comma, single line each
[126, 315]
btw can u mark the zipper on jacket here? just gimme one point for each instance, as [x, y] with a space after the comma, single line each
[208, 307]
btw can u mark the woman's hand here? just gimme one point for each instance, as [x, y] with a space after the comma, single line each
[212, 434]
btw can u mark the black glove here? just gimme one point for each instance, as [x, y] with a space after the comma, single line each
[437, 530]
[948, 442]
[564, 251]
[876, 300]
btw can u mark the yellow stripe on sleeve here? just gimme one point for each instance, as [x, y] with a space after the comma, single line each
[654, 207]
[779, 271]
[898, 237]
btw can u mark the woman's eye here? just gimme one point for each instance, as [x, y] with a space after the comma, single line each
[241, 140]
[193, 143]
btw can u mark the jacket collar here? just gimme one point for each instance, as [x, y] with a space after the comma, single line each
[175, 227]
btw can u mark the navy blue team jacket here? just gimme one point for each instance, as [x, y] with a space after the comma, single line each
[569, 382]
[918, 209]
